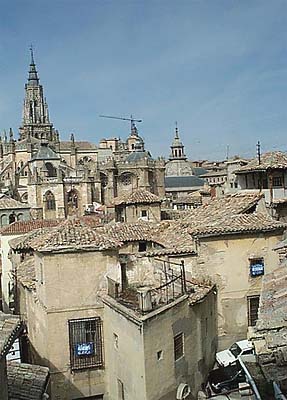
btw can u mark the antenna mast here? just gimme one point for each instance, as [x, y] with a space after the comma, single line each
[258, 147]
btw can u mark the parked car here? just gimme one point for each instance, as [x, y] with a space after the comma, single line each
[224, 379]
[229, 356]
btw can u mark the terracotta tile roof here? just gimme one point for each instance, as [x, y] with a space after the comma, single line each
[232, 214]
[20, 227]
[26, 381]
[241, 223]
[10, 204]
[270, 160]
[10, 326]
[138, 196]
[234, 204]
[73, 235]
[128, 232]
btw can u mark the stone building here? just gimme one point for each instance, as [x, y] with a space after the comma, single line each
[60, 178]
[138, 205]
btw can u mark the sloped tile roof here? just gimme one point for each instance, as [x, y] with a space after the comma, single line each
[232, 214]
[10, 204]
[20, 227]
[26, 381]
[138, 196]
[128, 232]
[270, 160]
[10, 326]
[73, 234]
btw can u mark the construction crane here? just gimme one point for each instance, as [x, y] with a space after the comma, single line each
[131, 119]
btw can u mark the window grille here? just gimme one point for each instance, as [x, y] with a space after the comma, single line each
[178, 346]
[253, 306]
[86, 343]
[126, 179]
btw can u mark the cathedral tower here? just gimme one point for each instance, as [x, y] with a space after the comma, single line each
[36, 122]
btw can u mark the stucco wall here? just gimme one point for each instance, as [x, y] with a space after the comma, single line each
[131, 350]
[68, 288]
[226, 261]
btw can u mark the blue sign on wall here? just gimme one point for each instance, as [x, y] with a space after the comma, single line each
[84, 349]
[257, 269]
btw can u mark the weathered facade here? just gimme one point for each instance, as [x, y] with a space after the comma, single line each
[158, 366]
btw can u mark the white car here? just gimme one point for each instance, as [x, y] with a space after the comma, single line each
[227, 357]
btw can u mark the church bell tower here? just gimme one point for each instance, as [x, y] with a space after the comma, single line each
[35, 121]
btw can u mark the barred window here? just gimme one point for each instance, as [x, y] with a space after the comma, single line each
[253, 306]
[86, 343]
[126, 179]
[178, 346]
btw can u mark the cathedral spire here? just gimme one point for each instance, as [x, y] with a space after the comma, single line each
[36, 122]
[33, 79]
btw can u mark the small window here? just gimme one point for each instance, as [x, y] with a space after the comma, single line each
[253, 306]
[144, 213]
[159, 355]
[86, 343]
[256, 266]
[142, 246]
[235, 185]
[178, 346]
[277, 181]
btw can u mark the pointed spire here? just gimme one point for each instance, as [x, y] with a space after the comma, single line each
[33, 79]
[11, 135]
[176, 131]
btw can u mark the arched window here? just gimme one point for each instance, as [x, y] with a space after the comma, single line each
[51, 169]
[12, 217]
[4, 220]
[50, 201]
[104, 179]
[72, 198]
[20, 217]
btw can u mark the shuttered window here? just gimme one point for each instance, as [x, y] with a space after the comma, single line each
[178, 346]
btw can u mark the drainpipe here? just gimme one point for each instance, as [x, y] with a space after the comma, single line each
[250, 380]
[277, 391]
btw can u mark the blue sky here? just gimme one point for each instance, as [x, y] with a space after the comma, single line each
[218, 67]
